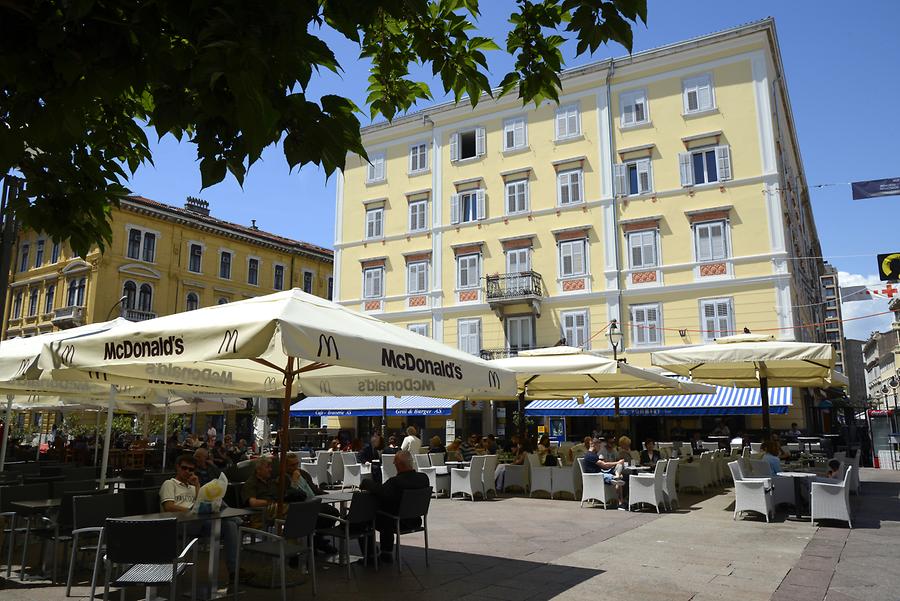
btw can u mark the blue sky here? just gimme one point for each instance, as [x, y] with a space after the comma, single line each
[841, 62]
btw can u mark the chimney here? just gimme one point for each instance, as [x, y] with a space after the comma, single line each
[197, 205]
[253, 224]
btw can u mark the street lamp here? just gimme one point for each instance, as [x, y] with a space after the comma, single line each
[616, 338]
[117, 303]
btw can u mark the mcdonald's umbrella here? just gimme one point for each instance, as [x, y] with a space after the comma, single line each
[752, 360]
[265, 345]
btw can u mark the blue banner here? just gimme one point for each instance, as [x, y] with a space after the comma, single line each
[876, 188]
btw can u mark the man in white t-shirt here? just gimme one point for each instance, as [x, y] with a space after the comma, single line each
[211, 433]
[411, 443]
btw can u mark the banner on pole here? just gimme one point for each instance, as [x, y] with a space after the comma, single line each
[875, 188]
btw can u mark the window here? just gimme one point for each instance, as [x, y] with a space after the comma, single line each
[717, 318]
[642, 249]
[519, 333]
[705, 165]
[39, 253]
[633, 178]
[698, 94]
[76, 292]
[308, 282]
[517, 196]
[330, 288]
[634, 108]
[466, 207]
[575, 328]
[567, 122]
[467, 144]
[33, 302]
[139, 241]
[193, 301]
[149, 247]
[469, 335]
[225, 265]
[645, 325]
[514, 134]
[222, 301]
[467, 271]
[709, 239]
[129, 291]
[48, 298]
[418, 215]
[23, 257]
[195, 261]
[133, 251]
[375, 172]
[278, 283]
[54, 254]
[17, 305]
[571, 258]
[419, 328]
[418, 157]
[253, 272]
[518, 260]
[375, 223]
[417, 277]
[569, 187]
[145, 298]
[373, 282]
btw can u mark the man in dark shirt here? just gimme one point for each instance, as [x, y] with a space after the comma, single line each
[594, 464]
[467, 448]
[389, 495]
[206, 470]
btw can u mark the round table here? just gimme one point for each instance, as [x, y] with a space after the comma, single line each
[798, 498]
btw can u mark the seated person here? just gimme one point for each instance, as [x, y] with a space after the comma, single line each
[834, 469]
[720, 429]
[697, 444]
[795, 431]
[625, 449]
[545, 453]
[649, 456]
[392, 446]
[389, 495]
[205, 469]
[468, 446]
[435, 445]
[594, 463]
[580, 449]
[490, 444]
[783, 453]
[300, 487]
[453, 452]
[771, 451]
[180, 493]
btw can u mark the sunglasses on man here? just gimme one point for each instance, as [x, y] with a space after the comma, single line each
[187, 468]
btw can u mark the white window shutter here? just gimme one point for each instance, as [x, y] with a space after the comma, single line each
[527, 196]
[479, 198]
[686, 167]
[454, 147]
[454, 208]
[645, 182]
[723, 162]
[620, 172]
[479, 141]
[412, 155]
[717, 237]
[524, 128]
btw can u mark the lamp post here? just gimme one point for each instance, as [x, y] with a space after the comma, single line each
[117, 303]
[616, 339]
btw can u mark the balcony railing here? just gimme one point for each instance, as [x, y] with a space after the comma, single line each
[498, 353]
[136, 315]
[514, 286]
[68, 317]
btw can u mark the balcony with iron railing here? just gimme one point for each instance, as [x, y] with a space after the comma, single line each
[138, 315]
[68, 317]
[514, 288]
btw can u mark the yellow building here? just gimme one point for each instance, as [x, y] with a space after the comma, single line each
[665, 191]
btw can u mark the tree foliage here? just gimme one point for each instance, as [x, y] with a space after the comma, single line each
[79, 78]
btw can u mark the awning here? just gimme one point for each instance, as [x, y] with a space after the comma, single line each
[726, 401]
[370, 406]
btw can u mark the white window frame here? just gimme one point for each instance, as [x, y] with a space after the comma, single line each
[571, 333]
[696, 84]
[415, 271]
[468, 341]
[723, 165]
[517, 129]
[569, 179]
[473, 260]
[418, 222]
[373, 275]
[708, 225]
[231, 253]
[258, 270]
[275, 267]
[519, 319]
[187, 301]
[632, 98]
[418, 328]
[143, 231]
[374, 223]
[418, 158]
[567, 122]
[480, 144]
[568, 246]
[375, 168]
[643, 327]
[638, 238]
[456, 206]
[520, 191]
[190, 244]
[707, 335]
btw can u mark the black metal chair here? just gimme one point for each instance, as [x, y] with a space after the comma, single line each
[150, 550]
[89, 516]
[9, 494]
[139, 501]
[156, 480]
[413, 504]
[300, 522]
[359, 523]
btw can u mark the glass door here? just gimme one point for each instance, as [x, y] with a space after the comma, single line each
[519, 333]
[517, 261]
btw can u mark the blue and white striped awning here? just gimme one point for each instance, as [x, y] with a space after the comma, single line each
[726, 401]
[371, 406]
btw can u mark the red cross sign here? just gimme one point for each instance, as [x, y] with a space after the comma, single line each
[890, 291]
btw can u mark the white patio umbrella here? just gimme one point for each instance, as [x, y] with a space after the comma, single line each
[751, 361]
[266, 345]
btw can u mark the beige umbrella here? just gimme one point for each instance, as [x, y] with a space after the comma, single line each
[751, 360]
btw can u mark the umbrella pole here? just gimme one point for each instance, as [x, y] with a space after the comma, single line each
[764, 400]
[109, 421]
[6, 426]
[521, 409]
[165, 437]
[283, 438]
[383, 418]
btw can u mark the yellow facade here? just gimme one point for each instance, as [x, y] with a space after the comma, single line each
[664, 192]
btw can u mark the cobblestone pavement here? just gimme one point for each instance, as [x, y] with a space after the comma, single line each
[517, 549]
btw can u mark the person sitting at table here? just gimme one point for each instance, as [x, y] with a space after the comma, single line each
[218, 455]
[372, 451]
[453, 453]
[579, 449]
[612, 470]
[335, 445]
[795, 431]
[720, 429]
[300, 488]
[205, 470]
[490, 445]
[435, 445]
[241, 451]
[411, 443]
[180, 493]
[771, 451]
[467, 448]
[697, 447]
[545, 454]
[392, 446]
[388, 496]
[649, 456]
[625, 449]
[783, 453]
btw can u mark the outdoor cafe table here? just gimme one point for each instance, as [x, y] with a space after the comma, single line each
[798, 477]
[343, 498]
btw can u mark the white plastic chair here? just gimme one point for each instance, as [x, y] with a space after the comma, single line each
[784, 491]
[695, 474]
[337, 468]
[489, 475]
[319, 470]
[671, 492]
[515, 475]
[388, 469]
[853, 462]
[352, 471]
[746, 453]
[710, 445]
[755, 447]
[752, 495]
[467, 481]
[593, 488]
[541, 476]
[831, 501]
[437, 461]
[421, 460]
[440, 482]
[562, 479]
[648, 488]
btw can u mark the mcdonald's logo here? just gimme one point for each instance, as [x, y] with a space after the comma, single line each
[269, 383]
[325, 387]
[328, 342]
[229, 341]
[67, 354]
[97, 375]
[494, 379]
[22, 367]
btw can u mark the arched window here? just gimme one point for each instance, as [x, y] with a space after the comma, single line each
[48, 298]
[193, 302]
[223, 301]
[33, 302]
[129, 291]
[76, 292]
[145, 298]
[17, 305]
